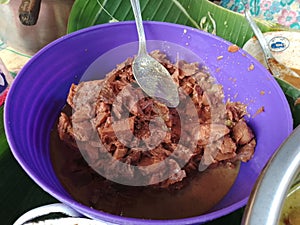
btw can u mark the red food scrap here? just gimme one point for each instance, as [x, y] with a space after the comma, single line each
[233, 48]
[260, 110]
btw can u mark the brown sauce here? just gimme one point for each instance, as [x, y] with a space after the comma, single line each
[296, 70]
[204, 191]
[295, 81]
[286, 74]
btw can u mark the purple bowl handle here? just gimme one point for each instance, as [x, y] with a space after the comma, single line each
[267, 198]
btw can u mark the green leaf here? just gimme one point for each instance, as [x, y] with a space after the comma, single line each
[3, 142]
[19, 192]
[292, 94]
[4, 1]
[201, 14]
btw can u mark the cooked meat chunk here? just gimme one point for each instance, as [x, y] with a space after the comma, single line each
[114, 117]
[246, 152]
[242, 133]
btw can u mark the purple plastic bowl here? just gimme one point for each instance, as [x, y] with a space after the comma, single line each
[40, 90]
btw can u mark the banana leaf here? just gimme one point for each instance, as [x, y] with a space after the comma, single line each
[293, 97]
[201, 14]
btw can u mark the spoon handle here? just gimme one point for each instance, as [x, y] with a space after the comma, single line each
[261, 39]
[139, 25]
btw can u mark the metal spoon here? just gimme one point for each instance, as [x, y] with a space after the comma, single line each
[277, 69]
[151, 76]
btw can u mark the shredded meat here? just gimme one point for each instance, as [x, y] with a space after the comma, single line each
[110, 116]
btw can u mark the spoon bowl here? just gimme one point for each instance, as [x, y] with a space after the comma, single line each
[154, 80]
[150, 75]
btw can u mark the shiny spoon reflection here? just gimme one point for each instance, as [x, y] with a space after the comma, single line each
[151, 76]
